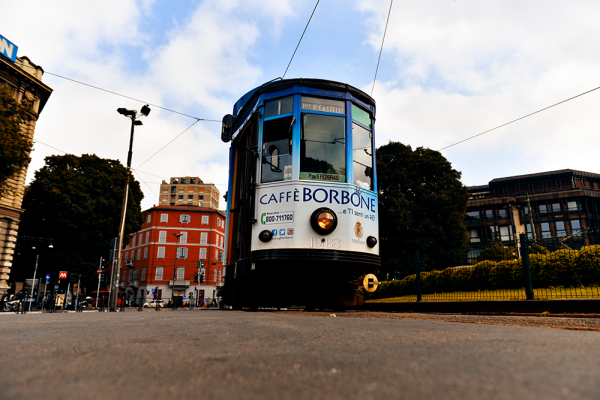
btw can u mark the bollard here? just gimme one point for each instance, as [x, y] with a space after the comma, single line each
[526, 269]
[418, 272]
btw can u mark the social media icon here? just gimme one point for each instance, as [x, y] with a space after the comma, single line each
[282, 231]
[274, 232]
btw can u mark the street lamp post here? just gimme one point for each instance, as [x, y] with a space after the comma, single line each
[177, 235]
[132, 114]
[37, 259]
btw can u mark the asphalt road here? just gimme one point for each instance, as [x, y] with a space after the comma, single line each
[227, 355]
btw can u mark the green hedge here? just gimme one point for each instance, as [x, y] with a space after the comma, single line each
[565, 268]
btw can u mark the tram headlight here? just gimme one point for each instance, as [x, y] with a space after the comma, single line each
[323, 221]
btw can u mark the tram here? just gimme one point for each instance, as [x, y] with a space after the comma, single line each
[302, 225]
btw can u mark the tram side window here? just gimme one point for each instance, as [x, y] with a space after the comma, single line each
[323, 148]
[277, 149]
[362, 154]
[276, 107]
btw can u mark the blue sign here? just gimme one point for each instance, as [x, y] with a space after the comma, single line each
[47, 277]
[282, 231]
[8, 49]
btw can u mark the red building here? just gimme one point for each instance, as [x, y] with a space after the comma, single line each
[149, 262]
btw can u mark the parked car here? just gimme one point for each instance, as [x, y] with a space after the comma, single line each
[154, 303]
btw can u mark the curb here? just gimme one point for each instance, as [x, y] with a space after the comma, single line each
[565, 306]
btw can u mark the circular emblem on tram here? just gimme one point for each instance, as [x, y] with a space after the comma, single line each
[358, 230]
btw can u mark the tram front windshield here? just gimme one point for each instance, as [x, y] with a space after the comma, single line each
[277, 149]
[323, 148]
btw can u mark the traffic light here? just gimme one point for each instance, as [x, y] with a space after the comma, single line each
[196, 278]
[201, 278]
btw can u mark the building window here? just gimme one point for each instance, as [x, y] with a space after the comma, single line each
[505, 233]
[164, 217]
[184, 219]
[140, 239]
[144, 273]
[556, 209]
[148, 218]
[180, 197]
[472, 216]
[135, 275]
[543, 210]
[162, 236]
[528, 230]
[145, 253]
[216, 254]
[575, 227]
[204, 238]
[560, 229]
[183, 237]
[190, 197]
[133, 241]
[161, 252]
[147, 236]
[492, 233]
[124, 276]
[474, 236]
[204, 219]
[573, 207]
[502, 214]
[139, 254]
[203, 254]
[130, 275]
[182, 252]
[546, 230]
[220, 256]
[218, 221]
[214, 274]
[200, 197]
[180, 273]
[489, 215]
[159, 273]
[219, 279]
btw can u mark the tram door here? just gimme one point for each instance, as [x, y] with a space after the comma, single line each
[244, 188]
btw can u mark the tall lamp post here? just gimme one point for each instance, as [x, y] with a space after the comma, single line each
[132, 114]
[37, 259]
[177, 236]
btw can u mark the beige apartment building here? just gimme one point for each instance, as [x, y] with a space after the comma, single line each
[25, 80]
[189, 191]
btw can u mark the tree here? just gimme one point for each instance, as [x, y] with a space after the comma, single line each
[77, 202]
[14, 145]
[422, 203]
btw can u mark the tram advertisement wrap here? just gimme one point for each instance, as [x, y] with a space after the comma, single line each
[285, 210]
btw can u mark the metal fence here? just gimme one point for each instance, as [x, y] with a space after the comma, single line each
[521, 270]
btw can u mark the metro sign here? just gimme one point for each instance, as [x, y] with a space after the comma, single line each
[62, 275]
[8, 49]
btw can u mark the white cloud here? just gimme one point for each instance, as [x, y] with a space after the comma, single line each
[462, 67]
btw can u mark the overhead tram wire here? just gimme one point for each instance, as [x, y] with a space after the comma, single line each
[148, 186]
[127, 97]
[515, 120]
[175, 138]
[298, 45]
[381, 50]
[37, 141]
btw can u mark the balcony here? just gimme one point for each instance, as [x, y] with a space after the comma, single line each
[123, 284]
[134, 283]
[180, 283]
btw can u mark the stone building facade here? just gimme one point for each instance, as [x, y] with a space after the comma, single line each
[189, 191]
[25, 80]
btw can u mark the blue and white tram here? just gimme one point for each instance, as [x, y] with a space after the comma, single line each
[302, 224]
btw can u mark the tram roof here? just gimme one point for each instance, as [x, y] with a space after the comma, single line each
[273, 86]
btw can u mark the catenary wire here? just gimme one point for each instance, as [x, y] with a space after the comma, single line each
[298, 45]
[122, 95]
[37, 141]
[148, 186]
[381, 50]
[175, 138]
[514, 120]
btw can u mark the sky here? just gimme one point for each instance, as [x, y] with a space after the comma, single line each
[450, 69]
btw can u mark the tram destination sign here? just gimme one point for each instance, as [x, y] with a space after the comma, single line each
[323, 105]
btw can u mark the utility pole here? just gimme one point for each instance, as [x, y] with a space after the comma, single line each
[37, 259]
[177, 235]
[77, 295]
[531, 218]
[132, 114]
